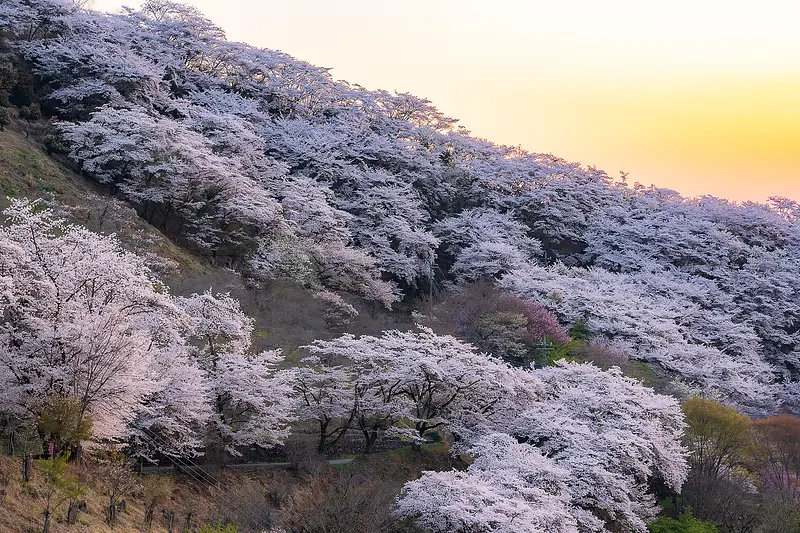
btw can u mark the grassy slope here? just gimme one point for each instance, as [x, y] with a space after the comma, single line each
[27, 171]
[22, 508]
[263, 493]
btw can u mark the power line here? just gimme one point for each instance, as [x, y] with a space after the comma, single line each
[203, 477]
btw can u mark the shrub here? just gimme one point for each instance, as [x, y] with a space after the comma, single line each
[62, 420]
[5, 118]
[686, 523]
[217, 527]
[342, 501]
[497, 322]
[244, 501]
[156, 490]
[31, 112]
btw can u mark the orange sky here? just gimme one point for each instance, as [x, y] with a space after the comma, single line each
[702, 96]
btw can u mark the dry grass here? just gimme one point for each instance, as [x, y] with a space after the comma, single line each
[21, 509]
[361, 492]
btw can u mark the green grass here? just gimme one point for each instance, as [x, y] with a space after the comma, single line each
[27, 171]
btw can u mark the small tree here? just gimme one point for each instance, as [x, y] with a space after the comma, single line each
[63, 421]
[719, 439]
[59, 485]
[156, 491]
[117, 480]
[5, 118]
[31, 112]
[777, 455]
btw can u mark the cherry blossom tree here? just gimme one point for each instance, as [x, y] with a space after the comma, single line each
[431, 380]
[485, 243]
[613, 436]
[251, 400]
[82, 318]
[577, 449]
[510, 488]
[325, 394]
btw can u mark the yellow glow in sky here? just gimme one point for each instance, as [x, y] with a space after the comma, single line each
[696, 95]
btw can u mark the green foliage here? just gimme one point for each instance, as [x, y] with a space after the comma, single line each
[565, 351]
[5, 117]
[217, 527]
[59, 484]
[57, 477]
[716, 435]
[580, 330]
[719, 441]
[63, 421]
[31, 112]
[686, 523]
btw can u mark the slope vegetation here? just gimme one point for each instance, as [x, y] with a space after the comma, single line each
[265, 164]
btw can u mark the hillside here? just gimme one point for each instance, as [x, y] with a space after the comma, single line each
[254, 498]
[264, 164]
[27, 171]
[208, 247]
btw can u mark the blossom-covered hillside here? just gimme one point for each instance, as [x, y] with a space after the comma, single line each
[265, 164]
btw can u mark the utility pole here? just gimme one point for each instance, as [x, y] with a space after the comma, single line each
[544, 347]
[430, 287]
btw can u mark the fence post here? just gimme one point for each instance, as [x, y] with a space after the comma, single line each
[26, 468]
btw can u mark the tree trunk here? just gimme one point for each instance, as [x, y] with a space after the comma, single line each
[339, 437]
[369, 442]
[46, 527]
[72, 513]
[323, 435]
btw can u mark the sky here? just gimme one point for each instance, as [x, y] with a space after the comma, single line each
[701, 96]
